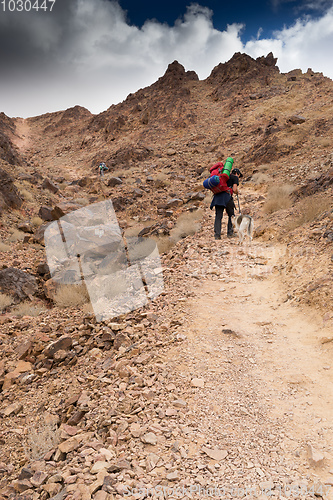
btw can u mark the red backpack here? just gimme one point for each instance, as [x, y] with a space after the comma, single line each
[217, 169]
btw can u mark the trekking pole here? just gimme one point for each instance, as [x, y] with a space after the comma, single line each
[239, 210]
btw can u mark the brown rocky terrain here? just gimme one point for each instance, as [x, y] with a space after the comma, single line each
[225, 379]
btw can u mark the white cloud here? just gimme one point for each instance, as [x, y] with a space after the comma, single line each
[109, 41]
[87, 53]
[302, 5]
[259, 32]
[308, 43]
[315, 5]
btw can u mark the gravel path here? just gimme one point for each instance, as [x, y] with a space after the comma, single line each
[256, 378]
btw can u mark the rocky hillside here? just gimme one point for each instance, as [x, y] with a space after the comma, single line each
[159, 143]
[76, 392]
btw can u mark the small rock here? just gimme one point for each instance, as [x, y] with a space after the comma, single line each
[63, 208]
[179, 403]
[47, 184]
[9, 380]
[25, 473]
[27, 177]
[24, 349]
[64, 343]
[120, 465]
[174, 203]
[101, 495]
[12, 409]
[173, 476]
[38, 478]
[84, 399]
[121, 339]
[56, 478]
[215, 453]
[71, 479]
[116, 326]
[328, 235]
[297, 119]
[99, 466]
[152, 461]
[325, 340]
[107, 454]
[314, 455]
[23, 366]
[149, 438]
[171, 412]
[21, 486]
[137, 193]
[136, 430]
[39, 233]
[69, 445]
[114, 181]
[198, 382]
[42, 269]
[52, 489]
[142, 359]
[77, 416]
[25, 227]
[197, 196]
[45, 213]
[84, 181]
[60, 355]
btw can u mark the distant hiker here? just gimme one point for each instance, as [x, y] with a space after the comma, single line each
[102, 168]
[224, 200]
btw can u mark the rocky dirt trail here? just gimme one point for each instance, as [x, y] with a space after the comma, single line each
[222, 388]
[258, 372]
[23, 134]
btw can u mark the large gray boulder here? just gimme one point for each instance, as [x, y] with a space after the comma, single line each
[17, 283]
[9, 194]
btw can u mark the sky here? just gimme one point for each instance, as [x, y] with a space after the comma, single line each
[55, 54]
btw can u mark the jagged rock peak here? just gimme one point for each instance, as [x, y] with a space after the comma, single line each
[76, 112]
[242, 65]
[176, 74]
[269, 60]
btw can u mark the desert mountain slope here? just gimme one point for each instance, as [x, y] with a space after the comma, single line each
[211, 382]
[161, 140]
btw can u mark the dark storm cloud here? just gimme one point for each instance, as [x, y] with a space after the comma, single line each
[32, 37]
[88, 50]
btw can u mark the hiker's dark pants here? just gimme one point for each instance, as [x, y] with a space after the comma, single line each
[218, 217]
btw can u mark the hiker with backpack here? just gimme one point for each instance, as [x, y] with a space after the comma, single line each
[223, 194]
[102, 168]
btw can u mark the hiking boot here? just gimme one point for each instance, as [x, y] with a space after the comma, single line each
[231, 235]
[217, 237]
